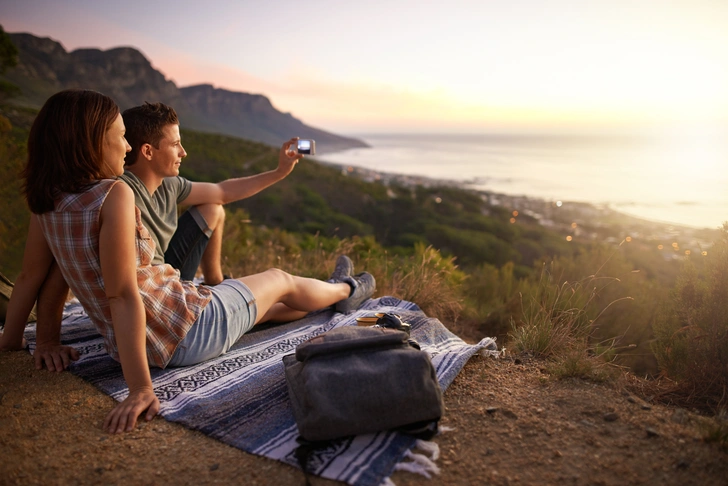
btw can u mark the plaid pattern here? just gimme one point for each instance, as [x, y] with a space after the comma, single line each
[171, 305]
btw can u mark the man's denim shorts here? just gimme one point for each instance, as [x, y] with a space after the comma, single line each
[188, 243]
[230, 314]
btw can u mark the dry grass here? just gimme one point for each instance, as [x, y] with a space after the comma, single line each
[557, 323]
[426, 277]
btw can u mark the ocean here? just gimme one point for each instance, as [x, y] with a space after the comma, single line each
[681, 179]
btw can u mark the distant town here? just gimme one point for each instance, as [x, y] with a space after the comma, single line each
[577, 220]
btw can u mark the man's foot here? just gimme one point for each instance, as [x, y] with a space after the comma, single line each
[344, 268]
[362, 289]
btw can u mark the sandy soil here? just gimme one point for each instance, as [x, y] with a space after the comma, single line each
[510, 424]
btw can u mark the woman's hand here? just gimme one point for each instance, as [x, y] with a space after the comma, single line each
[55, 356]
[6, 343]
[124, 416]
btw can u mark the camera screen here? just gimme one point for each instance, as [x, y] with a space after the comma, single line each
[304, 144]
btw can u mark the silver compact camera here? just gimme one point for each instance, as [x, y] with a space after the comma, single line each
[306, 146]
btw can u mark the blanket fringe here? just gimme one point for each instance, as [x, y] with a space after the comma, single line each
[488, 348]
[420, 463]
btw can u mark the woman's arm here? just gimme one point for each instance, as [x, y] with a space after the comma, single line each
[37, 260]
[117, 248]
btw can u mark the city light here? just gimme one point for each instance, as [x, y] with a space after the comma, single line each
[628, 239]
[515, 213]
[574, 225]
[513, 220]
[660, 247]
[569, 238]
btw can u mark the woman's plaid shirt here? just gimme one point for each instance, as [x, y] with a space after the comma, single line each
[171, 306]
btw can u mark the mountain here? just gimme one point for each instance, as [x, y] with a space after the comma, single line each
[45, 67]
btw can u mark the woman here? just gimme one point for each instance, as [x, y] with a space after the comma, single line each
[84, 219]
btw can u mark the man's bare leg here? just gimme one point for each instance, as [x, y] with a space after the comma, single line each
[211, 263]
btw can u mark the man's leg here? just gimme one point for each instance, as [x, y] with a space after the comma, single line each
[198, 242]
[211, 264]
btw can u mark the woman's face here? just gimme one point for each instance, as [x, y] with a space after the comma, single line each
[115, 146]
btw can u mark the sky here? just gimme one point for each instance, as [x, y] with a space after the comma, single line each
[452, 66]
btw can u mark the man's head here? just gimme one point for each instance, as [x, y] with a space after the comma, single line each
[146, 124]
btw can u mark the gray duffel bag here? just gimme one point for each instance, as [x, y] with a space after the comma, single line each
[357, 380]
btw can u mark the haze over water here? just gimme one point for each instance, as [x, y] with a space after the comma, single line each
[681, 179]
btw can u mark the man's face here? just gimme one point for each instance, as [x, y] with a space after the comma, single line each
[167, 158]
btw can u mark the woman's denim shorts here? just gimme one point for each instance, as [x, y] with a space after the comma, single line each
[230, 314]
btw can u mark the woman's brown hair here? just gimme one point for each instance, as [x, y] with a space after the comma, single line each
[65, 145]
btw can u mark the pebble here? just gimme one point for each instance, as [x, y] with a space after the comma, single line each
[610, 417]
[679, 416]
[652, 432]
[510, 414]
[491, 410]
[682, 464]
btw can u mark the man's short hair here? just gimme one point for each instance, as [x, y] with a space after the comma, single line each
[144, 124]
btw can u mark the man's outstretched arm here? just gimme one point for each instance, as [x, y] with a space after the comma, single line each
[236, 189]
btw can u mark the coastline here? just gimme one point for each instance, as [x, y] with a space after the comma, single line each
[582, 221]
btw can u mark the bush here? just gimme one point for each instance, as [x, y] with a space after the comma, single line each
[691, 342]
[558, 321]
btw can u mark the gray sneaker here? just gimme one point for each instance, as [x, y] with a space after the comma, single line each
[364, 288]
[344, 268]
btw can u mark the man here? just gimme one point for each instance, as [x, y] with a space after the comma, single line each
[152, 171]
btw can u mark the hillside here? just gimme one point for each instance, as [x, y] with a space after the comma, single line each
[123, 73]
[507, 423]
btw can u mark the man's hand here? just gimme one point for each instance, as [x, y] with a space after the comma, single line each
[55, 356]
[287, 158]
[124, 416]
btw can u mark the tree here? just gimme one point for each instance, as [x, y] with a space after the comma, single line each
[8, 59]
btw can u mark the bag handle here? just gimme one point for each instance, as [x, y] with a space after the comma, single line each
[348, 339]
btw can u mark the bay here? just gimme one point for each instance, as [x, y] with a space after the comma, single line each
[679, 179]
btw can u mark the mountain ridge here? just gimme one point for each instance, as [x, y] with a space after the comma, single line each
[125, 74]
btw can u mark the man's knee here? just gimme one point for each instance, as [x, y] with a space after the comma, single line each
[214, 215]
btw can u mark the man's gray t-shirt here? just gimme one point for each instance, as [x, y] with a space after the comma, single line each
[159, 212]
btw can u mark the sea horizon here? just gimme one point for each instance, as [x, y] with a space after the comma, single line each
[677, 180]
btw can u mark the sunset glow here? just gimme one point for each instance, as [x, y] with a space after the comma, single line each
[455, 66]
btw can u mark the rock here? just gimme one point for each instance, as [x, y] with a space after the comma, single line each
[491, 410]
[682, 464]
[510, 414]
[652, 432]
[646, 406]
[610, 417]
[679, 416]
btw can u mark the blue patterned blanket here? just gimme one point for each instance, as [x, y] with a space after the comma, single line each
[241, 397]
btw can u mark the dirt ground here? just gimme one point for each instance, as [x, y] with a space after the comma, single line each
[507, 422]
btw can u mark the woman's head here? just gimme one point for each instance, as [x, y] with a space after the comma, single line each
[66, 146]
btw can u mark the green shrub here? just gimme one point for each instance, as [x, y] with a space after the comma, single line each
[691, 342]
